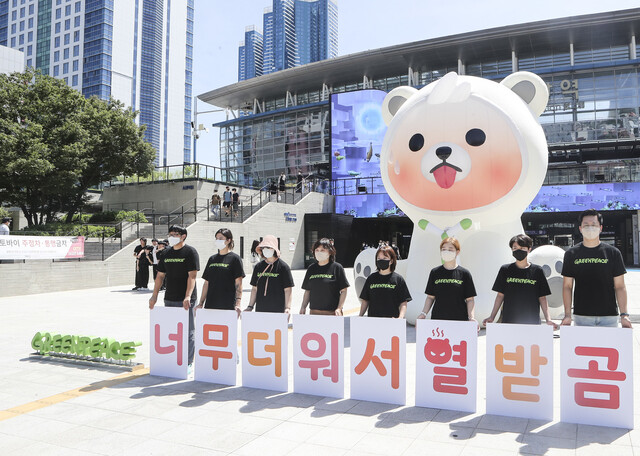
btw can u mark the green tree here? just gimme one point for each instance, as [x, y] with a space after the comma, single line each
[56, 144]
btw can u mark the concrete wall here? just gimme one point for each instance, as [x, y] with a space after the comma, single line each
[164, 197]
[40, 276]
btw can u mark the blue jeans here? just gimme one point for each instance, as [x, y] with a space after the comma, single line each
[589, 320]
[192, 326]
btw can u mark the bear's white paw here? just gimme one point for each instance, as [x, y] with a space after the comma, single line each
[549, 258]
[363, 266]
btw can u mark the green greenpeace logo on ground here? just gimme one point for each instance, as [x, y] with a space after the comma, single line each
[321, 276]
[382, 285]
[454, 281]
[591, 260]
[96, 347]
[518, 280]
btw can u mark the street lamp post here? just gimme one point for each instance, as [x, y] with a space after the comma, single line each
[198, 129]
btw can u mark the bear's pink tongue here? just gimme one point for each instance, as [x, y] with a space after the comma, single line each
[445, 176]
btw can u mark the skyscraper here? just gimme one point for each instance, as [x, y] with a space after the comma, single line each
[137, 51]
[250, 55]
[295, 32]
[268, 57]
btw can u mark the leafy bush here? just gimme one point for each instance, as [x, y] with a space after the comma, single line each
[82, 218]
[131, 216]
[4, 212]
[102, 217]
[70, 229]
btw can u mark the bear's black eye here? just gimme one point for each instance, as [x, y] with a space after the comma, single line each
[416, 142]
[475, 137]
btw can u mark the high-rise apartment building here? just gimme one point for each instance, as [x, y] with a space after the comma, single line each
[295, 32]
[250, 55]
[137, 51]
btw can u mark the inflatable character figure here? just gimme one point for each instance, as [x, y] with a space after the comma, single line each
[463, 157]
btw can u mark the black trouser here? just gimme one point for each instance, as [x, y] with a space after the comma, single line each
[192, 326]
[142, 276]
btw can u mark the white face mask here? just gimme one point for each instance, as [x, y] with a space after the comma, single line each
[590, 232]
[322, 256]
[173, 240]
[447, 255]
[221, 244]
[268, 253]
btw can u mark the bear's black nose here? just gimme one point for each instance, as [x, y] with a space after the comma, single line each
[443, 152]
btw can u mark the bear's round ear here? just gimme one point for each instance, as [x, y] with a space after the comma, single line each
[394, 100]
[531, 88]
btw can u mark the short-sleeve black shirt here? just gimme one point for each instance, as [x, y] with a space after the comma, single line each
[385, 293]
[593, 270]
[177, 264]
[450, 287]
[324, 284]
[522, 288]
[270, 281]
[221, 272]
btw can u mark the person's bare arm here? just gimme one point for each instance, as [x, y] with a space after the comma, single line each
[427, 306]
[238, 303]
[287, 300]
[203, 297]
[496, 306]
[252, 299]
[343, 297]
[156, 289]
[567, 297]
[364, 305]
[621, 297]
[544, 305]
[191, 283]
[402, 310]
[305, 302]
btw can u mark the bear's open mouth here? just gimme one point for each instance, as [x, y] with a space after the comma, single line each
[445, 174]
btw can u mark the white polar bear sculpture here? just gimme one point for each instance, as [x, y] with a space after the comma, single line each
[463, 157]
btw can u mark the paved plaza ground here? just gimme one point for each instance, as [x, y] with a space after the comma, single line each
[49, 407]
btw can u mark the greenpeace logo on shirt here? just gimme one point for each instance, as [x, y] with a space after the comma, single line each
[454, 281]
[218, 265]
[268, 274]
[174, 260]
[382, 285]
[518, 280]
[591, 260]
[321, 276]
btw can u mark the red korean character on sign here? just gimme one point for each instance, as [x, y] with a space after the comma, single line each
[276, 349]
[315, 365]
[393, 355]
[517, 365]
[223, 342]
[177, 337]
[447, 379]
[593, 372]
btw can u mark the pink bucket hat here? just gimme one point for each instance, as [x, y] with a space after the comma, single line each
[270, 242]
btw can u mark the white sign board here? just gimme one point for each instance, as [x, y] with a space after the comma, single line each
[520, 370]
[596, 376]
[264, 350]
[216, 346]
[378, 359]
[40, 247]
[318, 355]
[169, 342]
[446, 364]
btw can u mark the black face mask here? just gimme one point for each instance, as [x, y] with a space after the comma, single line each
[520, 254]
[382, 264]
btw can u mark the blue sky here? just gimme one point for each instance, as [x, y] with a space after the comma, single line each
[362, 25]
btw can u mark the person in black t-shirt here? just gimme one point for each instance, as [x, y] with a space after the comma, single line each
[223, 276]
[598, 272]
[522, 288]
[180, 264]
[325, 282]
[142, 265]
[271, 280]
[385, 293]
[450, 287]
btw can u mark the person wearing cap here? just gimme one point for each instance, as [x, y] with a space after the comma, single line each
[271, 281]
[4, 227]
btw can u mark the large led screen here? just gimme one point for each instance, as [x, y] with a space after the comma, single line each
[357, 130]
[574, 198]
